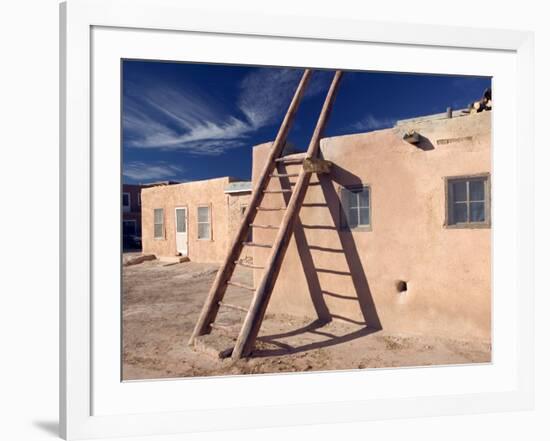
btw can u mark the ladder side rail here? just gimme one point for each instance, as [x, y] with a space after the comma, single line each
[217, 291]
[255, 315]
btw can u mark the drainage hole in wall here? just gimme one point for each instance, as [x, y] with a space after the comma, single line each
[401, 286]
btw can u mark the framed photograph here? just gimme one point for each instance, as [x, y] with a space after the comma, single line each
[273, 220]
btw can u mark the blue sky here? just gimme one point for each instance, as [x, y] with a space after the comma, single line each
[186, 122]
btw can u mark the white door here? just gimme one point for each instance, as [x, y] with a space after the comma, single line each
[181, 231]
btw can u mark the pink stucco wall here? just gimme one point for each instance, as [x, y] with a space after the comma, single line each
[330, 272]
[224, 209]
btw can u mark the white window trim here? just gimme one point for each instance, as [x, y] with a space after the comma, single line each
[162, 236]
[209, 221]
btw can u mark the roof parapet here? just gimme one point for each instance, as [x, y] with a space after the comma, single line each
[238, 187]
[450, 113]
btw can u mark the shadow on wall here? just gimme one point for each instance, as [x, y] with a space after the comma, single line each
[424, 144]
[349, 250]
[306, 258]
[359, 279]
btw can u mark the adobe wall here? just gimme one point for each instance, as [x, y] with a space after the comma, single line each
[225, 211]
[353, 275]
[235, 203]
[190, 195]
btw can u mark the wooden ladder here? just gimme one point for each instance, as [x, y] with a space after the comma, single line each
[262, 294]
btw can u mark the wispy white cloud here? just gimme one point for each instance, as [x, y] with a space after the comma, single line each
[371, 122]
[266, 93]
[169, 116]
[141, 171]
[166, 117]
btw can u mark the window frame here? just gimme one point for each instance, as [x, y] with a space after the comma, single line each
[163, 234]
[449, 223]
[343, 218]
[209, 206]
[132, 221]
[126, 208]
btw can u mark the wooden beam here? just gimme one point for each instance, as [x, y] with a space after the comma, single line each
[290, 160]
[217, 291]
[240, 285]
[265, 227]
[231, 306]
[269, 209]
[316, 165]
[248, 265]
[255, 244]
[255, 315]
[284, 175]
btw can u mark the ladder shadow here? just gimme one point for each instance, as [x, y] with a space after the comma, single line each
[342, 177]
[308, 265]
[312, 328]
[356, 272]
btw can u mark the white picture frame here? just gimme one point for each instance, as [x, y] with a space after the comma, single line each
[79, 417]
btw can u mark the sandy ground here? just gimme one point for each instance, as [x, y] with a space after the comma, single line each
[161, 304]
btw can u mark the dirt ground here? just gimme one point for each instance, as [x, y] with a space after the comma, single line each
[161, 303]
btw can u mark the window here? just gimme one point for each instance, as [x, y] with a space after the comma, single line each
[467, 201]
[126, 202]
[139, 199]
[159, 223]
[203, 220]
[356, 208]
[128, 227]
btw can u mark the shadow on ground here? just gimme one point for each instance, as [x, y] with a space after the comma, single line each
[312, 328]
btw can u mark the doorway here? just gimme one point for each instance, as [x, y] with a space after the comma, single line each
[181, 230]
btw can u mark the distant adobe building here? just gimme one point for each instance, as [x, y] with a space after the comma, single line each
[131, 212]
[193, 219]
[131, 215]
[398, 235]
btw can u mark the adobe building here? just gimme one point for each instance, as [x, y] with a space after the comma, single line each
[397, 236]
[131, 214]
[196, 220]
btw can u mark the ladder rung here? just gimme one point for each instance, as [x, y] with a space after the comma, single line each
[290, 160]
[254, 244]
[223, 327]
[240, 285]
[247, 265]
[278, 191]
[231, 306]
[271, 208]
[268, 227]
[282, 175]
